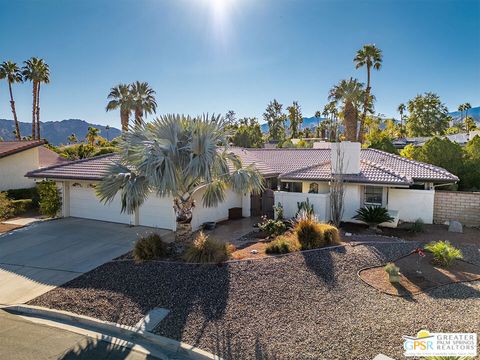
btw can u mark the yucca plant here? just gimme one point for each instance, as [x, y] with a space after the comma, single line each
[444, 253]
[373, 215]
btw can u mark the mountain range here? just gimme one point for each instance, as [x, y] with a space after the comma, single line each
[56, 132]
[312, 122]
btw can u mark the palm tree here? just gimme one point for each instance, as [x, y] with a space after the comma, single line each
[10, 71]
[401, 109]
[143, 97]
[351, 94]
[43, 77]
[370, 56]
[107, 128]
[464, 107]
[92, 135]
[31, 72]
[178, 156]
[72, 139]
[295, 117]
[120, 98]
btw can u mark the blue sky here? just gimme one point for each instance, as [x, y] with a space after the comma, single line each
[215, 55]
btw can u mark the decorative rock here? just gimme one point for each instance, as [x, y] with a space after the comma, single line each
[455, 226]
[348, 234]
[254, 251]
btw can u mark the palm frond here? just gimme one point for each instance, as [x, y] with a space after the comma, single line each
[214, 193]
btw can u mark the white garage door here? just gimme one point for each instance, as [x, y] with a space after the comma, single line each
[157, 212]
[85, 204]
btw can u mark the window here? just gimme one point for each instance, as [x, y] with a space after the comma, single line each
[292, 186]
[373, 195]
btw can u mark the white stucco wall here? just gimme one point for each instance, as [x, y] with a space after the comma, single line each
[352, 202]
[14, 167]
[321, 203]
[412, 204]
[202, 214]
[157, 212]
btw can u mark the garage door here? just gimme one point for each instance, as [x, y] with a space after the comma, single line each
[157, 212]
[85, 204]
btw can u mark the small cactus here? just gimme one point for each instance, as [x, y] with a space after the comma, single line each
[393, 272]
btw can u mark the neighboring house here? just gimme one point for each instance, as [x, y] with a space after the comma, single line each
[372, 177]
[461, 139]
[19, 157]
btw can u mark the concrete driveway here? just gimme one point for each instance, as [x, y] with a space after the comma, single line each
[35, 259]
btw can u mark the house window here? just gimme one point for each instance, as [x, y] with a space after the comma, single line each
[373, 195]
[292, 186]
[313, 189]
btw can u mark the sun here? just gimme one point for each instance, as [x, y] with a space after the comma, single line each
[423, 334]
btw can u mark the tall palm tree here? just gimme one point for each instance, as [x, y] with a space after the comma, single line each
[401, 109]
[43, 77]
[31, 71]
[10, 71]
[295, 117]
[465, 107]
[351, 94]
[143, 97]
[371, 57]
[92, 134]
[178, 156]
[121, 98]
[72, 139]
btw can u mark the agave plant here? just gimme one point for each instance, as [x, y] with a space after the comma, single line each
[177, 156]
[373, 215]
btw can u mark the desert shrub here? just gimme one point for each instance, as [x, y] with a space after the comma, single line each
[443, 252]
[150, 247]
[50, 198]
[6, 207]
[330, 233]
[21, 206]
[417, 226]
[305, 206]
[283, 244]
[272, 227]
[206, 250]
[309, 233]
[373, 215]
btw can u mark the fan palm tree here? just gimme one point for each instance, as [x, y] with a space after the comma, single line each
[121, 98]
[43, 77]
[371, 57]
[177, 156]
[72, 139]
[31, 71]
[465, 107]
[10, 71]
[92, 135]
[401, 109]
[143, 97]
[351, 94]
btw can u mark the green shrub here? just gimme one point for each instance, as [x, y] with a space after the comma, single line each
[373, 215]
[272, 227]
[22, 206]
[283, 244]
[206, 250]
[50, 199]
[443, 252]
[150, 247]
[330, 233]
[28, 193]
[309, 233]
[417, 226]
[6, 207]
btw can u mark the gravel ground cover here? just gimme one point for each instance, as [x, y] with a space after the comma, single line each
[309, 305]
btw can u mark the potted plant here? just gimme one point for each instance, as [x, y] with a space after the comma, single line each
[393, 272]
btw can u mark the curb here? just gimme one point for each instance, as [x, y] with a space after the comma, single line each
[132, 335]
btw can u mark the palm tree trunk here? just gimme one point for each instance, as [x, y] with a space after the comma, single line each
[12, 104]
[138, 116]
[365, 108]
[34, 109]
[350, 115]
[38, 111]
[124, 119]
[184, 211]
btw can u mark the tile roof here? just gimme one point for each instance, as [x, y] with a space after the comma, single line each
[308, 164]
[12, 147]
[48, 157]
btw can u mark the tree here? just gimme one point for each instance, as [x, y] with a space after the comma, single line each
[470, 124]
[351, 94]
[178, 156]
[107, 128]
[371, 57]
[72, 139]
[230, 117]
[384, 143]
[36, 71]
[10, 71]
[275, 119]
[401, 109]
[443, 153]
[427, 115]
[248, 134]
[409, 152]
[143, 100]
[465, 107]
[92, 135]
[120, 98]
[295, 117]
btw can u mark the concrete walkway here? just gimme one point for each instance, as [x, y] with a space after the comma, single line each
[231, 230]
[22, 339]
[39, 257]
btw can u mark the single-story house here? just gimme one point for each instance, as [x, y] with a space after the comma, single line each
[371, 177]
[19, 157]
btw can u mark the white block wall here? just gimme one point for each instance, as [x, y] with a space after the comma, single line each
[14, 167]
[412, 204]
[321, 203]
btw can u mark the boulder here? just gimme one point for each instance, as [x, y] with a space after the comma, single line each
[455, 226]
